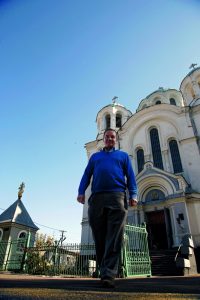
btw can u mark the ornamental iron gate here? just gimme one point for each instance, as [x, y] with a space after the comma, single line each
[12, 254]
[77, 260]
[135, 252]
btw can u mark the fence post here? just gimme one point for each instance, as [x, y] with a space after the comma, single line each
[23, 263]
[7, 254]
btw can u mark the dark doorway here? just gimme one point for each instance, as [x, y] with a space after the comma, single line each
[156, 227]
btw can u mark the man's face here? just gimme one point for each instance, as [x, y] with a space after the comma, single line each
[110, 139]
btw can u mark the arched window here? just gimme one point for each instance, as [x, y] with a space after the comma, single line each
[172, 101]
[155, 147]
[21, 241]
[107, 121]
[175, 155]
[140, 159]
[1, 234]
[158, 102]
[118, 120]
[22, 235]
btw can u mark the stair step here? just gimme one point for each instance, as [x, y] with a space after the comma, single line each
[163, 264]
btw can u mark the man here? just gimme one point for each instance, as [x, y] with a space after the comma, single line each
[112, 175]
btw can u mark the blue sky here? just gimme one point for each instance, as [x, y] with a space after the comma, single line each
[60, 63]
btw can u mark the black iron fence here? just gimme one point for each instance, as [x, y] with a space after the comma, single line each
[76, 260]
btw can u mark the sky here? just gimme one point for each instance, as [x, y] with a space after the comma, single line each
[60, 63]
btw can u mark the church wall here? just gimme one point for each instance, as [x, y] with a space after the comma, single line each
[196, 116]
[191, 162]
[182, 132]
[137, 136]
[181, 222]
[16, 229]
[86, 237]
[194, 213]
[85, 208]
[6, 232]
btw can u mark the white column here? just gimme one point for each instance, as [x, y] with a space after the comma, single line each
[174, 227]
[166, 160]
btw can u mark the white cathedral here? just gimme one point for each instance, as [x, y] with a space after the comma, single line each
[162, 139]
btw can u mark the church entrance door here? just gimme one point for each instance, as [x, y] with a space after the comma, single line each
[156, 227]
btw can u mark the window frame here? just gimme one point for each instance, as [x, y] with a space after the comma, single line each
[21, 242]
[156, 149]
[107, 121]
[140, 166]
[173, 101]
[158, 102]
[174, 154]
[119, 116]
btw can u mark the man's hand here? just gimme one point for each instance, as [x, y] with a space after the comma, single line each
[81, 199]
[132, 202]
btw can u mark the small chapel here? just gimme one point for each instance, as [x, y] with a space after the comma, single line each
[17, 230]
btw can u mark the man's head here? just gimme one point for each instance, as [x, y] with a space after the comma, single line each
[109, 138]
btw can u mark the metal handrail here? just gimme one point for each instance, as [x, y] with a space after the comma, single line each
[175, 258]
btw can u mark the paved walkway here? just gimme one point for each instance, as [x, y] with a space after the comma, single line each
[184, 285]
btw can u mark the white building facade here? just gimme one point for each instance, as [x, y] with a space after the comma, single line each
[163, 141]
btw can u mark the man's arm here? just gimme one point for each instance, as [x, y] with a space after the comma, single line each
[131, 183]
[85, 181]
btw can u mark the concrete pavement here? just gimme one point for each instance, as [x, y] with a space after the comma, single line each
[180, 284]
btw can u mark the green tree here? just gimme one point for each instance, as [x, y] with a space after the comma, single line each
[38, 257]
[44, 240]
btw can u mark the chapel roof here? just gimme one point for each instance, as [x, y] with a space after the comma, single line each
[17, 213]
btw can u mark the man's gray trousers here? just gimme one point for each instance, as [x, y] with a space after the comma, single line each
[107, 214]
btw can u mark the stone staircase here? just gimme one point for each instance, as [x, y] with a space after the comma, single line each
[163, 264]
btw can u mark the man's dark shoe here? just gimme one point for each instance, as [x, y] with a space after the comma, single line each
[108, 283]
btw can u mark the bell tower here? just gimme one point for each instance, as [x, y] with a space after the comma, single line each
[111, 116]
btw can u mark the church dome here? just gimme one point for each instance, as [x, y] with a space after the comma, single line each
[190, 87]
[162, 96]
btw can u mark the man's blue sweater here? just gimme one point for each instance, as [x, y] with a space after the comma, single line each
[109, 170]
